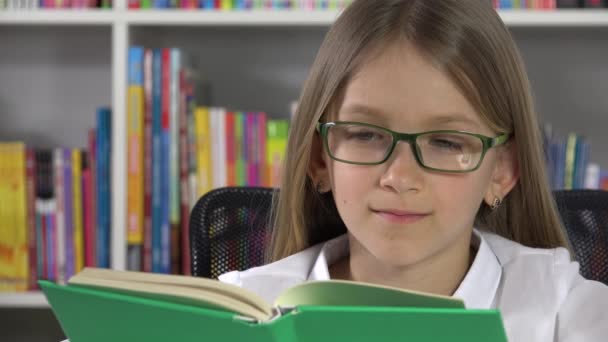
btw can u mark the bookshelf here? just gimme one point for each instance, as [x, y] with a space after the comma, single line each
[513, 18]
[86, 52]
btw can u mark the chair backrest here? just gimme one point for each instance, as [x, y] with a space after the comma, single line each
[229, 229]
[585, 216]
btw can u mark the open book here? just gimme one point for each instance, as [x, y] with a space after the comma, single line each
[214, 294]
[99, 305]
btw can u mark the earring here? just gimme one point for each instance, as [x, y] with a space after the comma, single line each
[495, 204]
[321, 187]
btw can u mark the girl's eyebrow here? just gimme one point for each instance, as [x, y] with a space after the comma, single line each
[364, 111]
[452, 118]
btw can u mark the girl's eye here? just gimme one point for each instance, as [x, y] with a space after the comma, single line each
[364, 135]
[446, 144]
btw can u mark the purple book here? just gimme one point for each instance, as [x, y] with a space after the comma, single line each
[68, 195]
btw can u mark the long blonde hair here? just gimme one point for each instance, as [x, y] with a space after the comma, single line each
[466, 39]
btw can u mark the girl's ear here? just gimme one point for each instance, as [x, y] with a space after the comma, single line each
[505, 174]
[317, 168]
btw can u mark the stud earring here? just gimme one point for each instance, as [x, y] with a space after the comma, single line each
[321, 187]
[495, 204]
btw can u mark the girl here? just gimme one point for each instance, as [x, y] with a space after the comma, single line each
[416, 136]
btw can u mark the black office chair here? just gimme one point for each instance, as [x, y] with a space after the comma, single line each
[585, 216]
[229, 230]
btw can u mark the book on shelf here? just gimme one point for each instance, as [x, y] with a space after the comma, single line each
[182, 148]
[153, 307]
[569, 162]
[54, 4]
[58, 221]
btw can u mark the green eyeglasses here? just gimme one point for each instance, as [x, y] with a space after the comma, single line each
[445, 150]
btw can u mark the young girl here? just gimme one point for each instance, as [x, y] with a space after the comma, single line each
[416, 132]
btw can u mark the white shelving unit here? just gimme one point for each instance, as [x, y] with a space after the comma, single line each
[23, 300]
[513, 18]
[126, 26]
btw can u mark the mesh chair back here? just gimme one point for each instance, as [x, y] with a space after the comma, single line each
[229, 230]
[585, 216]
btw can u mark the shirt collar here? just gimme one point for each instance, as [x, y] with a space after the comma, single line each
[477, 289]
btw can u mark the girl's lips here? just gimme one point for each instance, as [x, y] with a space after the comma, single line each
[398, 216]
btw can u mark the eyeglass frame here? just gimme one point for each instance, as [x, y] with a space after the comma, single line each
[487, 142]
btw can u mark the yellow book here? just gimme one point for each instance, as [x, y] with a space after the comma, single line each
[226, 5]
[135, 170]
[276, 145]
[14, 267]
[570, 160]
[204, 161]
[78, 224]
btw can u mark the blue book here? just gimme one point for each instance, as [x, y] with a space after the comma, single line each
[103, 186]
[156, 158]
[50, 246]
[208, 4]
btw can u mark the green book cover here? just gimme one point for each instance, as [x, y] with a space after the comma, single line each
[92, 311]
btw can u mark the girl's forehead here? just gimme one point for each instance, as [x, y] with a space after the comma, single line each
[403, 84]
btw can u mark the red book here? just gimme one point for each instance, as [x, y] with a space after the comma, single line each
[134, 4]
[30, 188]
[147, 250]
[183, 175]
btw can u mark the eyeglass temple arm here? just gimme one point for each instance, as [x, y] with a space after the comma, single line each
[499, 140]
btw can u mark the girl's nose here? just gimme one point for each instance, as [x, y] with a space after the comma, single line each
[403, 173]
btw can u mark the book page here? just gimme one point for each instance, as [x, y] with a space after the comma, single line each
[184, 288]
[347, 293]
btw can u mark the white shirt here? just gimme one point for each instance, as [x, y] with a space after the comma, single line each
[539, 292]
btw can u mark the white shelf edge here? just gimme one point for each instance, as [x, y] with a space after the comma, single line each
[23, 300]
[512, 18]
[85, 17]
[231, 18]
[555, 18]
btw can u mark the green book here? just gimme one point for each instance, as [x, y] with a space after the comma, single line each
[104, 305]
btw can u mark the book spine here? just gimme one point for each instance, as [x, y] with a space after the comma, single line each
[60, 218]
[103, 187]
[222, 171]
[261, 149]
[183, 174]
[68, 195]
[148, 151]
[13, 239]
[91, 232]
[174, 111]
[51, 240]
[135, 157]
[239, 128]
[156, 160]
[250, 148]
[570, 160]
[86, 213]
[165, 163]
[30, 174]
[230, 150]
[78, 210]
[203, 150]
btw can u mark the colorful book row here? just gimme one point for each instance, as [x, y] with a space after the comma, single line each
[548, 4]
[229, 5]
[55, 4]
[54, 210]
[177, 151]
